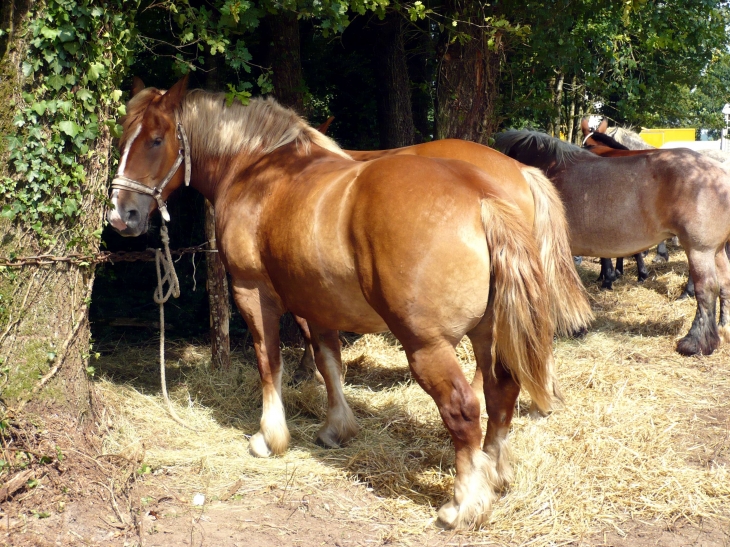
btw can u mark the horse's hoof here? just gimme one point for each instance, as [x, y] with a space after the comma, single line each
[536, 413]
[257, 446]
[453, 517]
[643, 277]
[685, 294]
[607, 285]
[659, 259]
[689, 345]
[577, 260]
[325, 439]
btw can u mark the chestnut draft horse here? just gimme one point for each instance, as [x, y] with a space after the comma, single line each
[540, 204]
[620, 206]
[430, 249]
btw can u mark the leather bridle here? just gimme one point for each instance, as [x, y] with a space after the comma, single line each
[121, 182]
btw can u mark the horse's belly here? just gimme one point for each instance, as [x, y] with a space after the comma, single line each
[333, 305]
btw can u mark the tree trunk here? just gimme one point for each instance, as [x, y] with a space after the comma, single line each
[395, 117]
[44, 327]
[570, 137]
[420, 54]
[558, 104]
[467, 87]
[217, 282]
[286, 61]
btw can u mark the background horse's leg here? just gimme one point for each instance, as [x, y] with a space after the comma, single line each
[607, 275]
[662, 254]
[619, 266]
[702, 336]
[723, 277]
[262, 315]
[435, 367]
[643, 273]
[306, 368]
[689, 289]
[340, 425]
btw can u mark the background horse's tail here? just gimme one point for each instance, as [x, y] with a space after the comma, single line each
[523, 326]
[569, 307]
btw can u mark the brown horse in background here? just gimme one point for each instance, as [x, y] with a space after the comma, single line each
[430, 249]
[620, 206]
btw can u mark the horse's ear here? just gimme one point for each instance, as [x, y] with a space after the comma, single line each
[585, 127]
[602, 126]
[175, 94]
[325, 126]
[137, 85]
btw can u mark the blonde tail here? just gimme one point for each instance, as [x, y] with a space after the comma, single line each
[569, 307]
[523, 326]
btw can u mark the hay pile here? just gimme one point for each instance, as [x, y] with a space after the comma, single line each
[643, 435]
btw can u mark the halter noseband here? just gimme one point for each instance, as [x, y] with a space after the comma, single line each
[121, 182]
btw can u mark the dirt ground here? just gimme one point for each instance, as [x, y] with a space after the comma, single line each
[94, 497]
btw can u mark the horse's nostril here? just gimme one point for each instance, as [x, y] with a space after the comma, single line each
[132, 217]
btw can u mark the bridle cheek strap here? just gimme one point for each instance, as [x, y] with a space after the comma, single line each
[588, 136]
[121, 182]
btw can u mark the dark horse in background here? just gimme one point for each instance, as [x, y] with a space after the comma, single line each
[621, 206]
[430, 249]
[609, 274]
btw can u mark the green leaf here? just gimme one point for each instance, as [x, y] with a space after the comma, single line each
[84, 94]
[56, 81]
[49, 33]
[39, 108]
[95, 70]
[27, 69]
[116, 94]
[69, 127]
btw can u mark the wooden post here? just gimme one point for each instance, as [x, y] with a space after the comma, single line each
[217, 285]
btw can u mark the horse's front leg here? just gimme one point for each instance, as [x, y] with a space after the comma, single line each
[262, 309]
[662, 254]
[607, 275]
[340, 425]
[702, 336]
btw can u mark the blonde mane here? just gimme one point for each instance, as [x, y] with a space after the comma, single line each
[259, 127]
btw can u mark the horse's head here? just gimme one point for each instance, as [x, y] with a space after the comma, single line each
[155, 157]
[588, 133]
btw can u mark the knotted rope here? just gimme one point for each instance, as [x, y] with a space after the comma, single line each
[163, 261]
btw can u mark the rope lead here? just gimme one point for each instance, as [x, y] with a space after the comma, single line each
[164, 261]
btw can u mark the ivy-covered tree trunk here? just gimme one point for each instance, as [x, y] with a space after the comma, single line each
[57, 93]
[467, 86]
[393, 91]
[286, 61]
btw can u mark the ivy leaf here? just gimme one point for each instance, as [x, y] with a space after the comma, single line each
[84, 94]
[56, 81]
[67, 33]
[116, 94]
[96, 70]
[27, 69]
[49, 33]
[39, 108]
[72, 47]
[69, 127]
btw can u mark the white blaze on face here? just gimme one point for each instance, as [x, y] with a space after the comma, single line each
[115, 219]
[125, 154]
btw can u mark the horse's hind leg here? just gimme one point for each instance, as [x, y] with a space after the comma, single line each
[662, 254]
[723, 278]
[307, 367]
[500, 394]
[643, 273]
[702, 336]
[435, 367]
[340, 425]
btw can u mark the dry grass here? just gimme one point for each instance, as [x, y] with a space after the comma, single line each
[643, 434]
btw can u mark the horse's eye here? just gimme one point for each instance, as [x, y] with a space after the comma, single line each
[157, 141]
